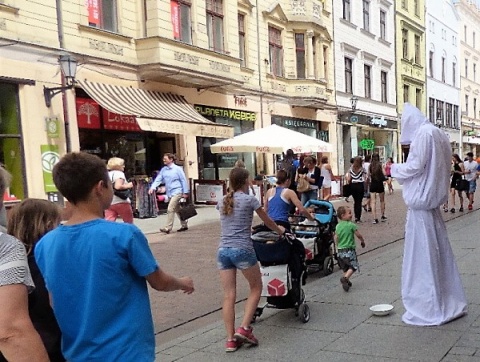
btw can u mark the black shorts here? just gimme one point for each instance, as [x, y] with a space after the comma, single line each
[377, 186]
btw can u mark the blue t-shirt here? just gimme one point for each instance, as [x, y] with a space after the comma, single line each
[237, 227]
[95, 272]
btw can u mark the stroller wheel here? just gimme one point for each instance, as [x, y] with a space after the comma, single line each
[258, 313]
[304, 312]
[328, 266]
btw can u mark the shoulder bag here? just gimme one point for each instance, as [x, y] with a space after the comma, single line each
[462, 184]
[123, 194]
[303, 185]
[186, 210]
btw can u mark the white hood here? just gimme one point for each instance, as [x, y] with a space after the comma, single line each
[412, 119]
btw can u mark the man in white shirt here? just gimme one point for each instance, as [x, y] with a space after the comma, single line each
[471, 176]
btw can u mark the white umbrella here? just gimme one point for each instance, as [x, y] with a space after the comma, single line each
[271, 139]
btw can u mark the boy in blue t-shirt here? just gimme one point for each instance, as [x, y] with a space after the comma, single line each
[345, 233]
[96, 271]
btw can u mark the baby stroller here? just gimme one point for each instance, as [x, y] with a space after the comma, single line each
[320, 251]
[282, 260]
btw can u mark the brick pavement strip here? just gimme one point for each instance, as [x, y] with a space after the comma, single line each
[193, 253]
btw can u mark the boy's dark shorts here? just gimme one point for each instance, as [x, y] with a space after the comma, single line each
[347, 259]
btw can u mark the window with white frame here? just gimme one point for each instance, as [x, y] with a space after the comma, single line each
[444, 69]
[367, 78]
[102, 14]
[466, 104]
[466, 68]
[275, 51]
[474, 72]
[346, 10]
[405, 43]
[348, 75]
[448, 115]
[417, 49]
[242, 40]
[454, 74]
[215, 25]
[181, 20]
[300, 54]
[366, 15]
[430, 63]
[383, 24]
[431, 110]
[416, 7]
[383, 86]
[418, 97]
[406, 91]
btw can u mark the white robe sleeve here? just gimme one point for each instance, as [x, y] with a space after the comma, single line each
[419, 155]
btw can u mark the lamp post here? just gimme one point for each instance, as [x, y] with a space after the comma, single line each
[68, 65]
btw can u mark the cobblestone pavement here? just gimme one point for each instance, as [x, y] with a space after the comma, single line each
[193, 253]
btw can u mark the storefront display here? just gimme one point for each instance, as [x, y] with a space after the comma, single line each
[218, 166]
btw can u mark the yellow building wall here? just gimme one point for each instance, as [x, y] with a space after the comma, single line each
[409, 72]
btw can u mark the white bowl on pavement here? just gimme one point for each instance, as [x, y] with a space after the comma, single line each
[381, 309]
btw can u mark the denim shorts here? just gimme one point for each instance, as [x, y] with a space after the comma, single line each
[231, 258]
[472, 186]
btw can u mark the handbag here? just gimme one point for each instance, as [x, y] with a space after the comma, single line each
[347, 190]
[303, 185]
[462, 185]
[186, 211]
[123, 194]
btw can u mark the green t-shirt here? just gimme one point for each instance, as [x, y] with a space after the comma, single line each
[346, 234]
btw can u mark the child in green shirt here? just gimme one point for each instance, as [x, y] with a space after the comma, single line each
[345, 233]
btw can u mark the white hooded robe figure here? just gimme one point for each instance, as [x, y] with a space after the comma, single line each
[432, 291]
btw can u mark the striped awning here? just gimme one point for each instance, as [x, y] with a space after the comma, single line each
[155, 111]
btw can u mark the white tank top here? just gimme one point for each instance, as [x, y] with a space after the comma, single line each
[327, 180]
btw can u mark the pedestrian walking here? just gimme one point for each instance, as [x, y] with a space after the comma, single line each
[367, 205]
[120, 206]
[345, 233]
[377, 178]
[356, 179]
[470, 167]
[28, 222]
[236, 251]
[432, 290]
[457, 173]
[96, 271]
[388, 174]
[177, 188]
[327, 174]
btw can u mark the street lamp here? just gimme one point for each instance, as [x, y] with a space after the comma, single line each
[353, 102]
[68, 65]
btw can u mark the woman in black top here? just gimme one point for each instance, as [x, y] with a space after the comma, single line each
[312, 175]
[356, 177]
[457, 172]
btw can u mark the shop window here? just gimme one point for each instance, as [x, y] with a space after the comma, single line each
[215, 25]
[456, 125]
[300, 55]
[440, 115]
[102, 14]
[181, 20]
[11, 150]
[275, 51]
[242, 40]
[448, 116]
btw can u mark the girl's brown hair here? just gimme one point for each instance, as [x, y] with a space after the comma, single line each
[31, 219]
[238, 177]
[376, 170]
[357, 164]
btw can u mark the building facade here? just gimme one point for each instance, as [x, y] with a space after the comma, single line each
[443, 75]
[365, 77]
[410, 53]
[469, 14]
[160, 76]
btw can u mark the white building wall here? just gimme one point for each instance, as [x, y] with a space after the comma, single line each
[364, 47]
[442, 26]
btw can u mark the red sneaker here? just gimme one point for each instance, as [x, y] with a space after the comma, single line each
[232, 345]
[246, 335]
[470, 207]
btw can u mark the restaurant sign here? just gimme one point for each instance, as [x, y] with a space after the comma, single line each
[234, 114]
